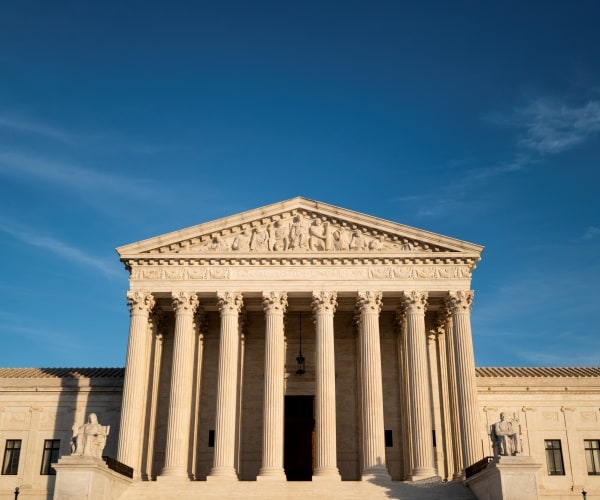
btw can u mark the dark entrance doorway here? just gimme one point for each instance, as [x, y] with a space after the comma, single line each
[298, 441]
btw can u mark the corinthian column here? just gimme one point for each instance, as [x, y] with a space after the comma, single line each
[415, 304]
[371, 391]
[230, 305]
[274, 304]
[180, 399]
[323, 306]
[134, 392]
[460, 303]
[453, 398]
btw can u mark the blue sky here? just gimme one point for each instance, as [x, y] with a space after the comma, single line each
[120, 121]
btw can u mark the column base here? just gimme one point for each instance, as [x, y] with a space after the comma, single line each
[173, 474]
[326, 474]
[222, 474]
[375, 474]
[421, 473]
[271, 474]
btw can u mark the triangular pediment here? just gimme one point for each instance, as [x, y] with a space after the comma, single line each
[298, 226]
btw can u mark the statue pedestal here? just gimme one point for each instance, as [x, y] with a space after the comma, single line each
[506, 478]
[87, 478]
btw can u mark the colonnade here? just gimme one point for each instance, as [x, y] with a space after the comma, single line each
[460, 375]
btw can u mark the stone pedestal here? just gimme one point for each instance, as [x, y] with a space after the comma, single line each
[87, 478]
[506, 478]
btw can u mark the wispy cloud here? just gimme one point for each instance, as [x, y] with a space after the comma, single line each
[24, 125]
[73, 176]
[550, 126]
[58, 248]
[591, 233]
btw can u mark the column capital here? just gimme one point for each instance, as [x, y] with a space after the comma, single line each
[415, 301]
[369, 302]
[229, 302]
[274, 302]
[460, 301]
[184, 302]
[324, 302]
[140, 302]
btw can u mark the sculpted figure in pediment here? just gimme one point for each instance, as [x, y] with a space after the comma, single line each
[341, 239]
[241, 242]
[260, 240]
[279, 236]
[298, 234]
[320, 236]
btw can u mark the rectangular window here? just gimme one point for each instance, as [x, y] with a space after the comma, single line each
[12, 453]
[50, 456]
[389, 440]
[554, 458]
[592, 456]
[211, 438]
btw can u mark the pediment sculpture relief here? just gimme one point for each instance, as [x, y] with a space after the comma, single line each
[300, 233]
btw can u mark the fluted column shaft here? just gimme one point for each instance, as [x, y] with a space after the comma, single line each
[324, 305]
[134, 391]
[230, 305]
[274, 305]
[460, 303]
[420, 392]
[406, 427]
[371, 391]
[180, 398]
[453, 399]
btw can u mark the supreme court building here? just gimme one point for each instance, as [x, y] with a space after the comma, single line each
[302, 343]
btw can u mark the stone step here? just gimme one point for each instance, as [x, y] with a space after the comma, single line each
[275, 490]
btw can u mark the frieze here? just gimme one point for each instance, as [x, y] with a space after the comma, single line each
[199, 273]
[297, 232]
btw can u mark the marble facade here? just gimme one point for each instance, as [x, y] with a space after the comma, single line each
[381, 312]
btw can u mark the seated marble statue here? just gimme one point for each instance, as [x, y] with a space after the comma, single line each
[505, 436]
[90, 438]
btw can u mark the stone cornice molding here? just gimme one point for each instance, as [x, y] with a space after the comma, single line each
[229, 302]
[217, 272]
[415, 301]
[324, 302]
[274, 302]
[392, 260]
[140, 302]
[184, 302]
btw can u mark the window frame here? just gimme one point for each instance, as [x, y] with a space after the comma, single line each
[12, 457]
[50, 455]
[592, 456]
[552, 453]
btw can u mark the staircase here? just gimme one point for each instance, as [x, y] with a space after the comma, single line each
[317, 490]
